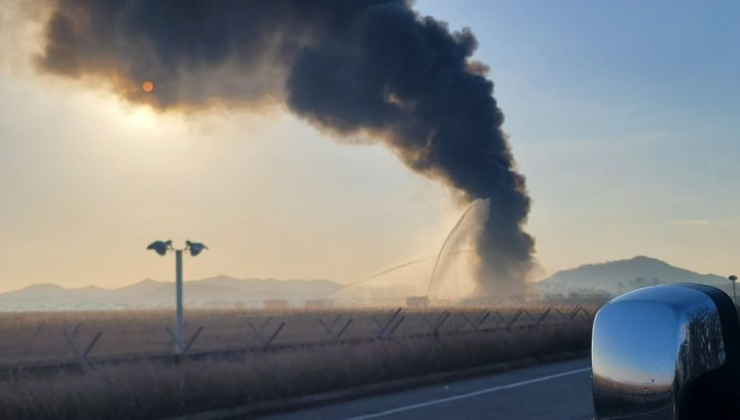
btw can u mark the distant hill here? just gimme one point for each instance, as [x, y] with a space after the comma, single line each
[616, 277]
[213, 291]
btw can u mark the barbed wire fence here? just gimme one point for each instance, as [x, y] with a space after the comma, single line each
[31, 341]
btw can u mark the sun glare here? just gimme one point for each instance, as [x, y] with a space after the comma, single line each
[141, 117]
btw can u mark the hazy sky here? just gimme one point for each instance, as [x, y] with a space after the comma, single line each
[623, 115]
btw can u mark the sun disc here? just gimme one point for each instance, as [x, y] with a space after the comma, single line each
[148, 86]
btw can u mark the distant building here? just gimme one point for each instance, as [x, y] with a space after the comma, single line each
[275, 304]
[417, 302]
[318, 304]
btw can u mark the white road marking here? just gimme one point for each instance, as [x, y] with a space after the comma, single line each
[468, 395]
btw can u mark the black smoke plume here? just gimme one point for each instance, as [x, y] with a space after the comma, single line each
[347, 66]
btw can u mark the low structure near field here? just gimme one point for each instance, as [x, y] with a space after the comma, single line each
[275, 304]
[318, 304]
[417, 302]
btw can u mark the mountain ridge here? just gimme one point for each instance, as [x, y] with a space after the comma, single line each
[215, 290]
[605, 278]
[620, 276]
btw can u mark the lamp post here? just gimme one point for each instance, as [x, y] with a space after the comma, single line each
[733, 279]
[161, 248]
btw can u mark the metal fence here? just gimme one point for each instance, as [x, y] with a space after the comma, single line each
[29, 340]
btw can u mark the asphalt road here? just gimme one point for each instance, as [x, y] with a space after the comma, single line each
[559, 391]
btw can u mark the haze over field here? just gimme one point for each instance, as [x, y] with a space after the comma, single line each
[389, 287]
[211, 292]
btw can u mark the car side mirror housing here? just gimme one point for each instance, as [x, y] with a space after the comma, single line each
[669, 352]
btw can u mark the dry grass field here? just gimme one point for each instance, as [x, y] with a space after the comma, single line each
[306, 357]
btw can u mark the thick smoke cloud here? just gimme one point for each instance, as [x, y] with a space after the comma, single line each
[347, 66]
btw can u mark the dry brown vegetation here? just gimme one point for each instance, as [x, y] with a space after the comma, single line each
[151, 390]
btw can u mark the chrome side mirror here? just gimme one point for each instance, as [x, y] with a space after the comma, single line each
[667, 352]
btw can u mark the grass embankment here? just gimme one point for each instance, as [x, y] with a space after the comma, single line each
[152, 391]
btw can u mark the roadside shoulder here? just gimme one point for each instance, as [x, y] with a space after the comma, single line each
[310, 401]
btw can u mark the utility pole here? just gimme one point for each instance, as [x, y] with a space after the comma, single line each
[161, 248]
[733, 279]
[178, 293]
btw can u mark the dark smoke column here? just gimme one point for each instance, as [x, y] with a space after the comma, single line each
[347, 66]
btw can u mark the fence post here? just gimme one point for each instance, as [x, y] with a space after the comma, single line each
[256, 332]
[434, 326]
[395, 327]
[341, 332]
[192, 340]
[182, 348]
[266, 342]
[543, 316]
[482, 319]
[329, 329]
[388, 324]
[274, 335]
[468, 320]
[526, 312]
[82, 355]
[444, 318]
[500, 317]
[514, 319]
[175, 339]
[264, 324]
[334, 323]
[91, 345]
[574, 313]
[577, 310]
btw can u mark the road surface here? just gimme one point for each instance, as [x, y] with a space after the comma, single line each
[559, 391]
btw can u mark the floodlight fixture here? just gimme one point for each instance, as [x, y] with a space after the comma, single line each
[195, 248]
[160, 247]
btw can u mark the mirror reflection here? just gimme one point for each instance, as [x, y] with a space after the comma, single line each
[648, 345]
